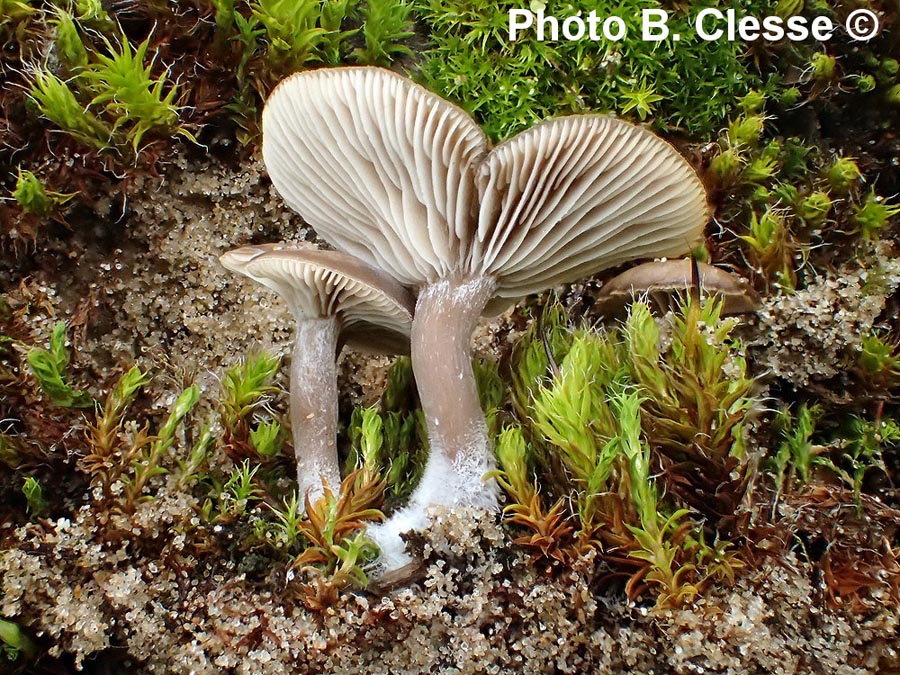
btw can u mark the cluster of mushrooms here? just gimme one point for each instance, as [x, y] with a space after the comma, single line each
[434, 229]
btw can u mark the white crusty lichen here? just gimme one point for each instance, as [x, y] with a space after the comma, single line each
[457, 486]
[816, 333]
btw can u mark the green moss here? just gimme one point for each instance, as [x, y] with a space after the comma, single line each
[69, 47]
[865, 83]
[386, 27]
[872, 216]
[146, 459]
[847, 449]
[266, 439]
[790, 97]
[863, 451]
[237, 494]
[746, 130]
[761, 169]
[139, 103]
[635, 439]
[815, 207]
[641, 99]
[57, 101]
[291, 30]
[752, 102]
[880, 357]
[14, 642]
[390, 438]
[34, 496]
[33, 198]
[772, 247]
[823, 66]
[49, 368]
[93, 15]
[888, 68]
[511, 85]
[843, 175]
[276, 38]
[726, 166]
[245, 387]
[796, 455]
[12, 11]
[112, 99]
[892, 95]
[779, 192]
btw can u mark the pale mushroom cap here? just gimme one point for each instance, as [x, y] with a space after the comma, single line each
[675, 276]
[319, 284]
[394, 174]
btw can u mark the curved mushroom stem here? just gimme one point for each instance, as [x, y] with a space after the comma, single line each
[314, 405]
[460, 450]
[460, 455]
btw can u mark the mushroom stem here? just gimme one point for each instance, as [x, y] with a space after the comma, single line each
[446, 314]
[314, 405]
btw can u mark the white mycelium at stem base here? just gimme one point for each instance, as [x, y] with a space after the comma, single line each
[314, 405]
[441, 341]
[460, 451]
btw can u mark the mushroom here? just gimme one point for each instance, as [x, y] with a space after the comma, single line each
[392, 173]
[335, 299]
[663, 280]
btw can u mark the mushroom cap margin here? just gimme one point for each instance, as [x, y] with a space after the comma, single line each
[672, 276]
[318, 284]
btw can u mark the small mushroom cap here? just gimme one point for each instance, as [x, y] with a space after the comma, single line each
[375, 312]
[392, 173]
[671, 277]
